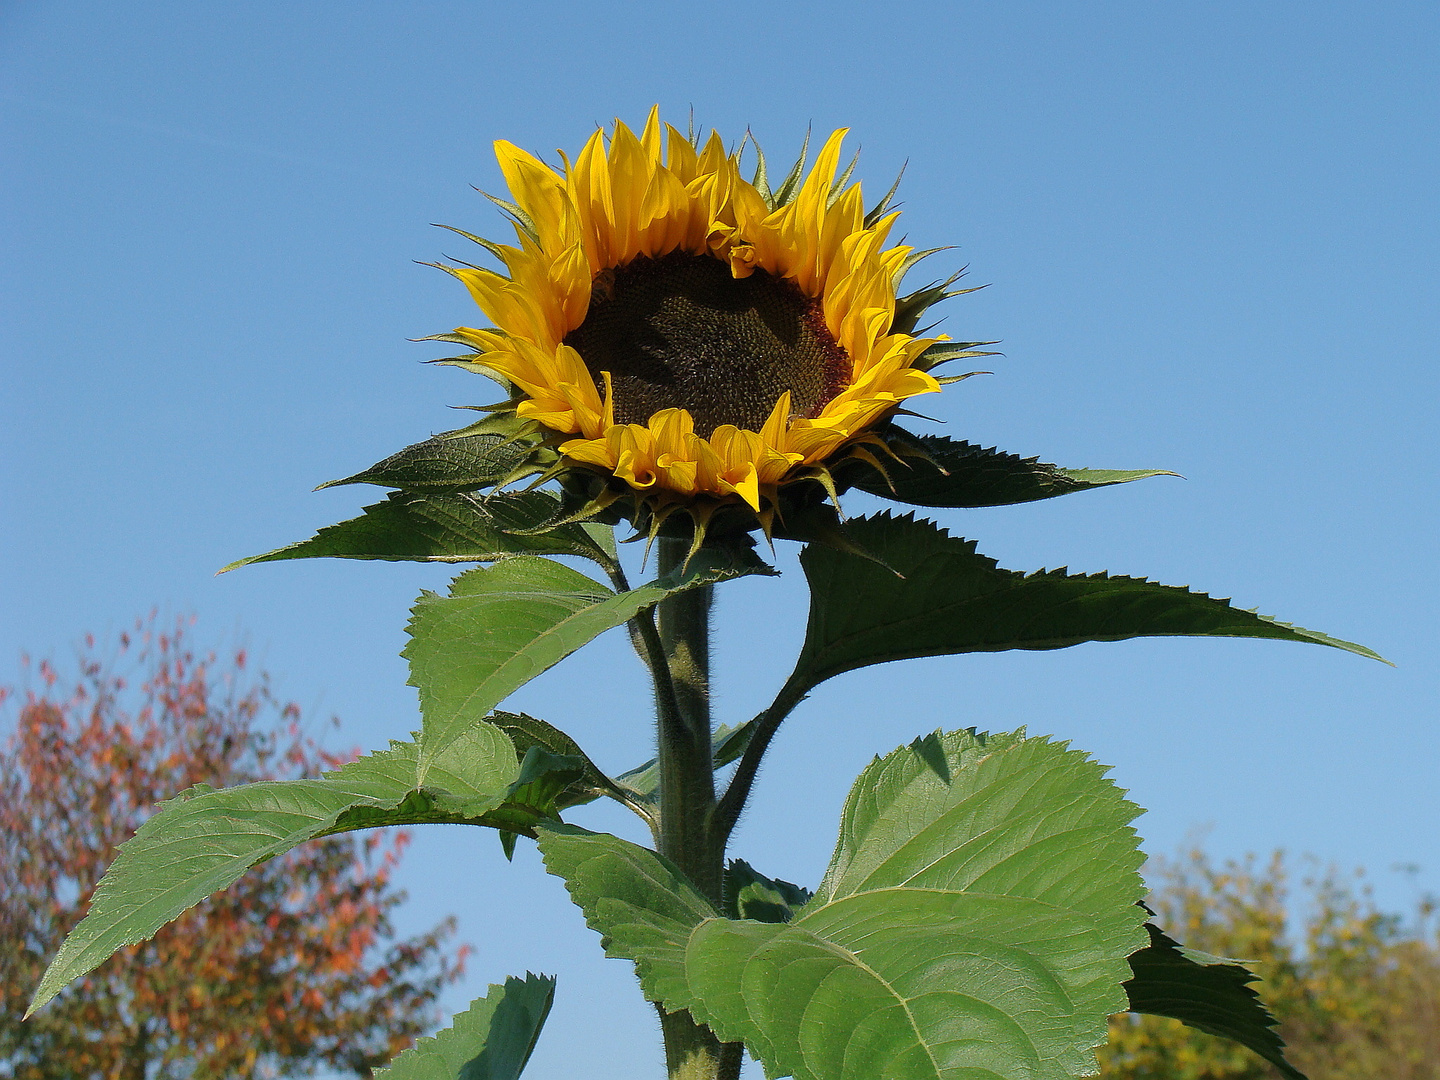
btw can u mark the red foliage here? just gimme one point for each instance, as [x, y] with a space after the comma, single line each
[292, 968]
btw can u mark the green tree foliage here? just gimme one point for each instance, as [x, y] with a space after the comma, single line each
[1356, 990]
[295, 968]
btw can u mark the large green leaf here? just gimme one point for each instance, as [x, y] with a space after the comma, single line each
[491, 452]
[453, 527]
[969, 927]
[503, 625]
[491, 1040]
[202, 841]
[960, 474]
[940, 597]
[1206, 992]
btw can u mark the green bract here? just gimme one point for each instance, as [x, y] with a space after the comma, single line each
[981, 916]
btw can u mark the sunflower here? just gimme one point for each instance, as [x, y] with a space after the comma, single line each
[695, 338]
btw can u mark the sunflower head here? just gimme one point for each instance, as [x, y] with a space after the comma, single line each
[678, 337]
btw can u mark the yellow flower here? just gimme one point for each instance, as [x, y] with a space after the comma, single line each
[699, 337]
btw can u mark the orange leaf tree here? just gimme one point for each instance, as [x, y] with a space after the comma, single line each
[295, 967]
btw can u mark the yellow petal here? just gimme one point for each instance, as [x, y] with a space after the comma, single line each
[534, 186]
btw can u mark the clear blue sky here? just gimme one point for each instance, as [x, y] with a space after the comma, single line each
[1210, 233]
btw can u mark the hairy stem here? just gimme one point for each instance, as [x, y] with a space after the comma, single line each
[681, 633]
[687, 776]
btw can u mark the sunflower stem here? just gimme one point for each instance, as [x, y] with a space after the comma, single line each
[687, 791]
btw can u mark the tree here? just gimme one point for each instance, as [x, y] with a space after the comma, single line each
[1356, 990]
[295, 967]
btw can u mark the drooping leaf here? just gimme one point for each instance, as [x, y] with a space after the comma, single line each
[543, 778]
[526, 731]
[491, 1040]
[490, 452]
[976, 928]
[451, 528]
[503, 625]
[1209, 993]
[751, 895]
[943, 598]
[959, 474]
[203, 840]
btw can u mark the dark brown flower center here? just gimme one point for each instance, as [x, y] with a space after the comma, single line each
[682, 332]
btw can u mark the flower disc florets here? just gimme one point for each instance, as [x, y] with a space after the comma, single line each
[702, 340]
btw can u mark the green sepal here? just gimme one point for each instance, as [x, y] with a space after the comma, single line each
[838, 187]
[943, 352]
[498, 250]
[204, 839]
[941, 598]
[910, 308]
[790, 186]
[936, 471]
[454, 528]
[496, 450]
[491, 1040]
[876, 212]
[748, 894]
[1209, 993]
[519, 217]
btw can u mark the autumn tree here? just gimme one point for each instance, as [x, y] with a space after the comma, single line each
[295, 967]
[1356, 990]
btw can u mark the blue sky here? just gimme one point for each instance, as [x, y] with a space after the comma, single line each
[1209, 234]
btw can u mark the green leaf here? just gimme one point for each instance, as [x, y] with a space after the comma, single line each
[526, 732]
[490, 452]
[966, 929]
[942, 598]
[203, 840]
[1209, 993]
[641, 904]
[543, 778]
[751, 895]
[960, 474]
[643, 780]
[491, 1040]
[503, 625]
[451, 528]
[727, 744]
